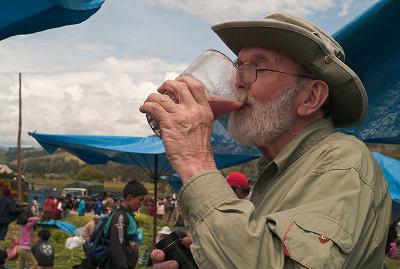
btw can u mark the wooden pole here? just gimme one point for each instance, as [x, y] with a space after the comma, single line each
[155, 182]
[19, 170]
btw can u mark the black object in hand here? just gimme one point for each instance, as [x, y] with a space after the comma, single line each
[174, 250]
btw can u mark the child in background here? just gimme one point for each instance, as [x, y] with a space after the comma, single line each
[394, 251]
[3, 257]
[43, 251]
[27, 222]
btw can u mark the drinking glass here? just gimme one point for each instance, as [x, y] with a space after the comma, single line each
[217, 73]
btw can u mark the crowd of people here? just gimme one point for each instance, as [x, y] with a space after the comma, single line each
[120, 226]
[56, 208]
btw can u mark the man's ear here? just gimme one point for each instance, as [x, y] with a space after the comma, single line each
[312, 97]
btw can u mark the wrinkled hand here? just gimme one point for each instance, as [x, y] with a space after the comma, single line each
[185, 126]
[158, 257]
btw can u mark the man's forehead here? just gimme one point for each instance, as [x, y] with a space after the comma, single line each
[257, 54]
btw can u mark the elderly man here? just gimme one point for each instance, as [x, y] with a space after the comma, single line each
[320, 200]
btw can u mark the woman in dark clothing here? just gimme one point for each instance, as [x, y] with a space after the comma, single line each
[9, 211]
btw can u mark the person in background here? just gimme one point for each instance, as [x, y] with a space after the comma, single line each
[161, 234]
[160, 209]
[98, 207]
[239, 184]
[151, 207]
[76, 201]
[58, 210]
[35, 207]
[82, 207]
[169, 207]
[89, 227]
[43, 251]
[68, 205]
[27, 222]
[48, 209]
[9, 211]
[122, 228]
[108, 203]
[3, 257]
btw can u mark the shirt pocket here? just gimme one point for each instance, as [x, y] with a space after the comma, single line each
[317, 241]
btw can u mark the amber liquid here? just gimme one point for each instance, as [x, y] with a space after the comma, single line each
[220, 106]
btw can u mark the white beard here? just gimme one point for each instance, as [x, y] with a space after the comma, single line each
[260, 124]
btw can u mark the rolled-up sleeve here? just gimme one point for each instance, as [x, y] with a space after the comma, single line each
[225, 232]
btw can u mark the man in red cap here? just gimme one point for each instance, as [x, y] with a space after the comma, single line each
[239, 184]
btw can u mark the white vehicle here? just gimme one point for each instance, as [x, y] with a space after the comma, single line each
[74, 192]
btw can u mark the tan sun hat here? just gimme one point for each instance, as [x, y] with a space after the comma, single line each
[310, 46]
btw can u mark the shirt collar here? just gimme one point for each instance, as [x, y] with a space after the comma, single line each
[310, 136]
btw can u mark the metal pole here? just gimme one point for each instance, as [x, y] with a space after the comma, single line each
[155, 179]
[19, 187]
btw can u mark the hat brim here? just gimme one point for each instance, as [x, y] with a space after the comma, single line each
[348, 96]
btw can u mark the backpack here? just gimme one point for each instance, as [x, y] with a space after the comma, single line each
[97, 247]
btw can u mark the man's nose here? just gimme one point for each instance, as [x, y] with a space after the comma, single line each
[239, 84]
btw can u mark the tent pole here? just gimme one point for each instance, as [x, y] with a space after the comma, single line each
[155, 179]
[19, 172]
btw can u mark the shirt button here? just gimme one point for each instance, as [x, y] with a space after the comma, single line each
[323, 239]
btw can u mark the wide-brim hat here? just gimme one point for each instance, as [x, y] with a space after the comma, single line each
[311, 47]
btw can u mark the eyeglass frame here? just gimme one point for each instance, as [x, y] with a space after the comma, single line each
[257, 69]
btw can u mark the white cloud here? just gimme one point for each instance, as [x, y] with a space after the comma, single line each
[222, 10]
[102, 99]
[345, 7]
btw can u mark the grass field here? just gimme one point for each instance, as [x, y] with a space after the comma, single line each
[65, 258]
[60, 184]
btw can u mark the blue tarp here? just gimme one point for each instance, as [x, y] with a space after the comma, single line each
[371, 43]
[145, 152]
[66, 227]
[391, 170]
[19, 17]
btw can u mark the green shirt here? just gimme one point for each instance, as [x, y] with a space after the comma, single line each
[321, 203]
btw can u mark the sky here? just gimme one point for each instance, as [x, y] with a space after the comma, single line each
[91, 78]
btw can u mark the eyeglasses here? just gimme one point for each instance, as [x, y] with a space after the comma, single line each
[248, 73]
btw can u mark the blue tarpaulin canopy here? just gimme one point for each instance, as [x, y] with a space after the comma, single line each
[391, 170]
[371, 43]
[147, 153]
[19, 17]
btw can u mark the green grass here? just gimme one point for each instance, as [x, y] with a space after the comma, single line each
[65, 258]
[60, 184]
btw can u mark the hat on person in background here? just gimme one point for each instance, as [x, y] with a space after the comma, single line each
[310, 46]
[237, 179]
[164, 230]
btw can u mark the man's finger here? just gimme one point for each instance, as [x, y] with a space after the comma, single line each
[157, 255]
[164, 100]
[196, 88]
[155, 109]
[179, 90]
[187, 241]
[166, 265]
